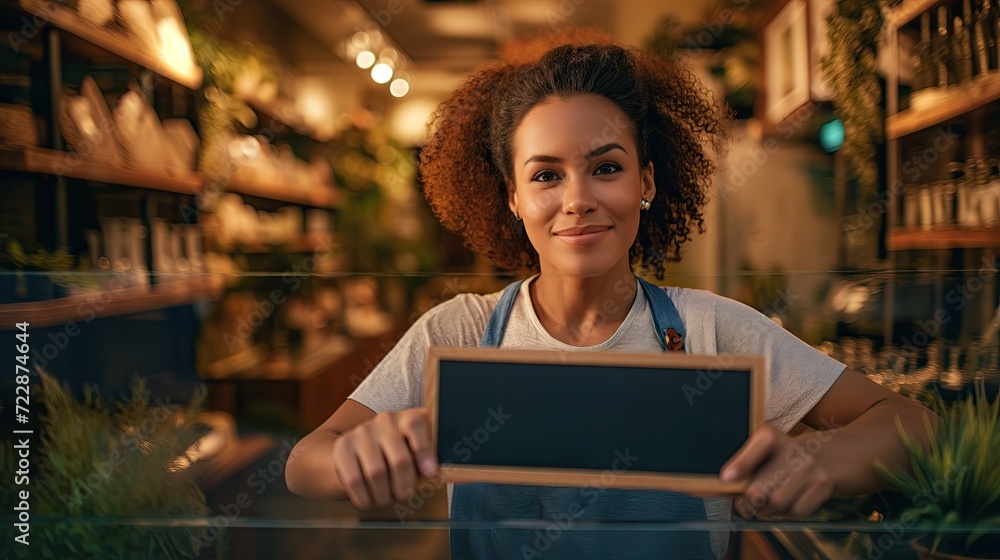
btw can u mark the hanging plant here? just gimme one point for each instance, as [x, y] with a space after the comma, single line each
[232, 72]
[854, 30]
[726, 44]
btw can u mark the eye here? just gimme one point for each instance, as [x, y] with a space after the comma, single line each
[607, 168]
[544, 176]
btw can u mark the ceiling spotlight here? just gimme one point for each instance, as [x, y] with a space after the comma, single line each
[365, 59]
[381, 73]
[399, 87]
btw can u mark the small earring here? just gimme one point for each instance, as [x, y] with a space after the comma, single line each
[645, 204]
[517, 216]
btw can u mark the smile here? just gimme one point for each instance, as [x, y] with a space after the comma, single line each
[584, 236]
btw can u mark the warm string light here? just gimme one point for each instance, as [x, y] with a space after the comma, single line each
[381, 73]
[369, 51]
[365, 59]
[400, 84]
[399, 87]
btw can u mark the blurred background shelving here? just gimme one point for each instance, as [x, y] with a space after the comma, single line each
[943, 188]
[96, 38]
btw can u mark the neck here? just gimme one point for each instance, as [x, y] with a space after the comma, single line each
[583, 311]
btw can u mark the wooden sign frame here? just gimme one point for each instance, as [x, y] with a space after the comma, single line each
[698, 484]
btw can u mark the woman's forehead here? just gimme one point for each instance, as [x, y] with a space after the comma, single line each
[575, 125]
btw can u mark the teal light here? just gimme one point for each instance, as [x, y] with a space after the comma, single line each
[831, 136]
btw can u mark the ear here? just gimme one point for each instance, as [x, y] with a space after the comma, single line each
[647, 185]
[511, 196]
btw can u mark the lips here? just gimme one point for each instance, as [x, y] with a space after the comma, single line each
[583, 235]
[581, 230]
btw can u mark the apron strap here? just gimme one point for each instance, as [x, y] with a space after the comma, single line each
[669, 327]
[498, 320]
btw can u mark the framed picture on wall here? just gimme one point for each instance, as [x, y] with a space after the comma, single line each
[819, 47]
[786, 61]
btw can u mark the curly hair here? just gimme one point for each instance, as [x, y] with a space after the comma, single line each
[466, 167]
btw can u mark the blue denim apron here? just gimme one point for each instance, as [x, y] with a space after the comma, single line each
[563, 505]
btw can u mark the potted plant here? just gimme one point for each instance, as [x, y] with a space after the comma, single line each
[955, 484]
[93, 461]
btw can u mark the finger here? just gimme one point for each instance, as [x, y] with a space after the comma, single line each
[417, 432]
[352, 480]
[745, 461]
[812, 499]
[375, 469]
[754, 501]
[743, 508]
[402, 469]
[783, 492]
[767, 490]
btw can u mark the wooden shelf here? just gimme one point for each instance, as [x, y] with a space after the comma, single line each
[108, 303]
[66, 164]
[321, 196]
[68, 20]
[955, 102]
[55, 162]
[908, 238]
[907, 11]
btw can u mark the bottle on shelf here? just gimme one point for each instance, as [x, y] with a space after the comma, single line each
[943, 50]
[136, 234]
[970, 199]
[962, 46]
[922, 60]
[982, 31]
[159, 235]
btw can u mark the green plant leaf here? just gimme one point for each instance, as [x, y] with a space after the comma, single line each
[78, 439]
[959, 473]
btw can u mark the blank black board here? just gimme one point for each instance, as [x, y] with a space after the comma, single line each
[664, 419]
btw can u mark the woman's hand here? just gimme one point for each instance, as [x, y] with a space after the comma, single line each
[787, 475]
[378, 461]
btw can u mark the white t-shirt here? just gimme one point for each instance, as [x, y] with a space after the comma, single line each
[797, 375]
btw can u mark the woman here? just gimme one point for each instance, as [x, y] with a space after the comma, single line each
[577, 166]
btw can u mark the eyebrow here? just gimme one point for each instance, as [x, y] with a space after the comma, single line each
[593, 153]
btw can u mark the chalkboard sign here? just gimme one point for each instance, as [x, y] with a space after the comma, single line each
[655, 421]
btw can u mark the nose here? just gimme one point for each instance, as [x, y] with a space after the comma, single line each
[578, 197]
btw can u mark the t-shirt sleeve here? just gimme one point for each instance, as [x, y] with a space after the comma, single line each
[797, 375]
[397, 382]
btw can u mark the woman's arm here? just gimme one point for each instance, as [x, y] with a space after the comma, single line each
[309, 471]
[856, 426]
[371, 459]
[861, 414]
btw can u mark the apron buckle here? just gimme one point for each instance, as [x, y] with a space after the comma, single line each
[675, 342]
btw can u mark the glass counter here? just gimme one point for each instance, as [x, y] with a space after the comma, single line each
[303, 539]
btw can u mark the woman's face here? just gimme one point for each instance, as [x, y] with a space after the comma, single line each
[578, 184]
